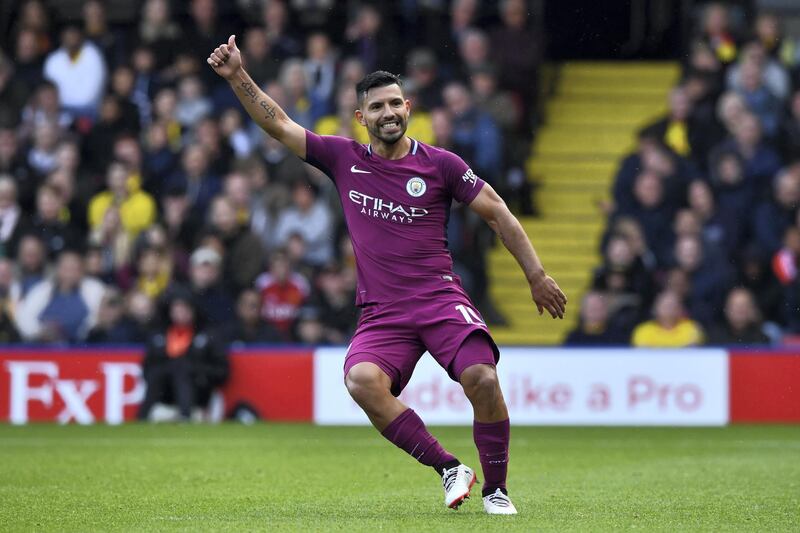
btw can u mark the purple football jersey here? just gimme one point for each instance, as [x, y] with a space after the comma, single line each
[396, 212]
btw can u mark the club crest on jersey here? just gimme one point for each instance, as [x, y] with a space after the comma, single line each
[416, 187]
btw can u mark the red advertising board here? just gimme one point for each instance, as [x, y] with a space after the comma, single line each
[765, 387]
[105, 385]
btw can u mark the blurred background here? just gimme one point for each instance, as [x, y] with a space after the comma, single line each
[650, 148]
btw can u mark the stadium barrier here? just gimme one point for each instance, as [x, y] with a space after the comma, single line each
[547, 386]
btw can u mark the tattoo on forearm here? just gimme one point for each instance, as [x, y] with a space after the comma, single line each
[269, 110]
[250, 91]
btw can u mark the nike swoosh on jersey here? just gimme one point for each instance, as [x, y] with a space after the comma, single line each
[358, 171]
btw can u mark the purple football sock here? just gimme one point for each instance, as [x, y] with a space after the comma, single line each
[492, 438]
[408, 432]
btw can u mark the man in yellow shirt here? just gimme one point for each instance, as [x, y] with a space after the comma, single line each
[670, 327]
[137, 209]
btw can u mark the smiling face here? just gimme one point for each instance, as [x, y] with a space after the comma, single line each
[384, 112]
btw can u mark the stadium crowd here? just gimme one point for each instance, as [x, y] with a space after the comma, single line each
[703, 237]
[138, 204]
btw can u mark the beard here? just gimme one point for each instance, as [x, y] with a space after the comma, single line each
[389, 137]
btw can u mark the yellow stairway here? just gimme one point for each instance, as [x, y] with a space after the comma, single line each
[591, 123]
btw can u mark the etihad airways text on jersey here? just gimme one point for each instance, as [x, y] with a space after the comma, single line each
[372, 206]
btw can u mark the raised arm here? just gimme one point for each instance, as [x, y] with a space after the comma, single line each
[544, 290]
[226, 60]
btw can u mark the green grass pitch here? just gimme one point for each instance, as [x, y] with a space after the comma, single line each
[272, 477]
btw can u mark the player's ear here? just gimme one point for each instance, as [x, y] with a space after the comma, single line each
[360, 117]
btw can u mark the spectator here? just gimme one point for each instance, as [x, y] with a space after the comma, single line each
[422, 72]
[475, 135]
[42, 155]
[13, 94]
[334, 302]
[28, 58]
[182, 361]
[64, 308]
[10, 294]
[742, 324]
[310, 218]
[652, 213]
[500, 105]
[283, 294]
[772, 217]
[50, 222]
[192, 104]
[372, 41]
[473, 50]
[249, 328]
[165, 104]
[79, 71]
[123, 80]
[731, 107]
[256, 53]
[244, 257]
[207, 135]
[734, 196]
[13, 222]
[463, 16]
[790, 131]
[113, 327]
[276, 22]
[761, 162]
[265, 198]
[670, 328]
[594, 328]
[755, 275]
[13, 163]
[196, 178]
[320, 69]
[205, 283]
[297, 101]
[113, 244]
[344, 122]
[97, 31]
[623, 276]
[677, 130]
[770, 74]
[159, 32]
[516, 50]
[758, 97]
[31, 263]
[232, 129]
[137, 209]
[128, 150]
[144, 64]
[709, 278]
[160, 160]
[154, 272]
[716, 32]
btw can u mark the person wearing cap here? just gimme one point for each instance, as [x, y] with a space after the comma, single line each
[205, 284]
[182, 363]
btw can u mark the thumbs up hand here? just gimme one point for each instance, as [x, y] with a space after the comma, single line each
[226, 59]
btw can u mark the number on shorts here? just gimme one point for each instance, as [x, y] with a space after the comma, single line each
[470, 315]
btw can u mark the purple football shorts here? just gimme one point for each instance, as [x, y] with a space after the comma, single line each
[394, 335]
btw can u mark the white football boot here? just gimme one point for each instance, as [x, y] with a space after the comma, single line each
[457, 483]
[498, 503]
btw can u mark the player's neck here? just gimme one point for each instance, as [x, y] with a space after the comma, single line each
[397, 150]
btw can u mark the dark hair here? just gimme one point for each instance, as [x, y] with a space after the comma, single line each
[379, 78]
